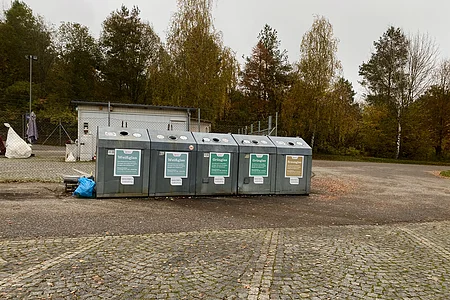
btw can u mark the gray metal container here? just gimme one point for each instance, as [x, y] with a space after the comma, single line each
[123, 162]
[173, 163]
[217, 164]
[294, 164]
[257, 164]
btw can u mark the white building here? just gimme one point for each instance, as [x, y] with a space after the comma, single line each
[94, 114]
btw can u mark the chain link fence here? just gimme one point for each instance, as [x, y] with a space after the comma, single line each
[49, 152]
[47, 160]
[268, 126]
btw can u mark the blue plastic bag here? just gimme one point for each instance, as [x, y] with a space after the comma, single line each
[85, 188]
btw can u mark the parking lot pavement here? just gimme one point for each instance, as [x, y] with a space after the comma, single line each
[324, 246]
[324, 262]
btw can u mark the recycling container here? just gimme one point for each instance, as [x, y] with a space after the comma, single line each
[173, 163]
[257, 164]
[294, 165]
[217, 164]
[123, 162]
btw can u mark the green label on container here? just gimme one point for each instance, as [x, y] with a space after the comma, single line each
[219, 164]
[176, 165]
[259, 165]
[127, 162]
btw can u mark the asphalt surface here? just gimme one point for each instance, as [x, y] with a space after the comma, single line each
[367, 231]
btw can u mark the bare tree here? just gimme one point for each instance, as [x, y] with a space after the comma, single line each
[422, 60]
[420, 65]
[441, 75]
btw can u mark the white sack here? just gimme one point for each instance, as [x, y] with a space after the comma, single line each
[16, 147]
[70, 158]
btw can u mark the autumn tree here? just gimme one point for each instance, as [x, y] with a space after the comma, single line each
[205, 69]
[342, 116]
[266, 75]
[23, 34]
[385, 77]
[316, 73]
[129, 46]
[435, 108]
[74, 75]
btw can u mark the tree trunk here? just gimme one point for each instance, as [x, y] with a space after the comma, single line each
[399, 135]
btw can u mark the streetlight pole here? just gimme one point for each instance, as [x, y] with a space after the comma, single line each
[31, 58]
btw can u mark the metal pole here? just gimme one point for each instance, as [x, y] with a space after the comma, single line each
[24, 120]
[198, 119]
[30, 57]
[189, 121]
[109, 114]
[251, 128]
[60, 139]
[276, 124]
[259, 126]
[270, 125]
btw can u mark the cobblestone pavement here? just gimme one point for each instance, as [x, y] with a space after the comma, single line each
[409, 261]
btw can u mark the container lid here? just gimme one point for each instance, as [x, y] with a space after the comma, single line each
[214, 138]
[253, 141]
[180, 137]
[118, 133]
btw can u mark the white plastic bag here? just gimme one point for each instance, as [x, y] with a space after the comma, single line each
[70, 158]
[16, 147]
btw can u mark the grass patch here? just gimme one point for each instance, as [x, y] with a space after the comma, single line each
[379, 160]
[445, 173]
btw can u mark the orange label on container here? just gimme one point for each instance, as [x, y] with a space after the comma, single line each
[294, 166]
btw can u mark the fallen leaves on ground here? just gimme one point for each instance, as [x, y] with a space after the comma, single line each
[330, 188]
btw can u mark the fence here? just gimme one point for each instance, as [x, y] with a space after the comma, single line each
[47, 162]
[50, 133]
[49, 152]
[265, 127]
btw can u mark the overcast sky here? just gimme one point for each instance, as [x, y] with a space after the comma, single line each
[356, 23]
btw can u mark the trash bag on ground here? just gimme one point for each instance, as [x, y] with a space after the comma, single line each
[85, 188]
[16, 147]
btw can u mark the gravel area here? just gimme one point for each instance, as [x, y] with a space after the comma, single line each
[343, 193]
[46, 165]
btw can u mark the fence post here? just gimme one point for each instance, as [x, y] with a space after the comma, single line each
[198, 119]
[276, 124]
[109, 114]
[259, 126]
[270, 125]
[189, 120]
[251, 128]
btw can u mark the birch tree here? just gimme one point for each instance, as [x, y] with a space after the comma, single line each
[386, 78]
[398, 73]
[205, 70]
[317, 69]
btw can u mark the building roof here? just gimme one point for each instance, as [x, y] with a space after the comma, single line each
[127, 105]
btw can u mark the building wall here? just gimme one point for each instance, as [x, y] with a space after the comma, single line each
[92, 117]
[204, 126]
